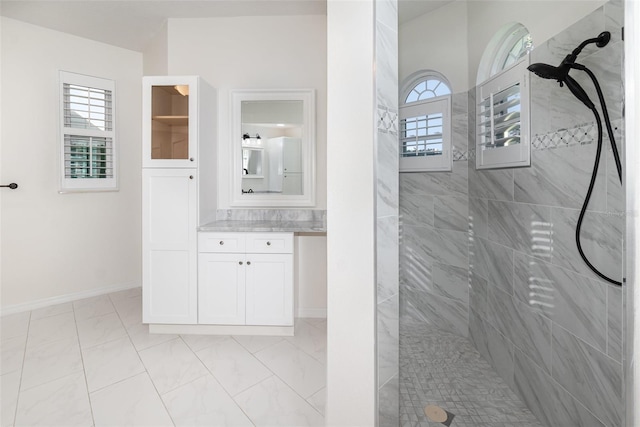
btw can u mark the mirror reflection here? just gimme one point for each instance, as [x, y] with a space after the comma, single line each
[272, 147]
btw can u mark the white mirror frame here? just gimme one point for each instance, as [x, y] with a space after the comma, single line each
[308, 196]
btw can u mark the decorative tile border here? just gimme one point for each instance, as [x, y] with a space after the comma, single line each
[387, 120]
[581, 135]
[584, 134]
[460, 156]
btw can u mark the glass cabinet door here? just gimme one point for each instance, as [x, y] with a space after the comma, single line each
[169, 122]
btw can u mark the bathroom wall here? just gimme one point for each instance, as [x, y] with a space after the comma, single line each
[57, 247]
[434, 261]
[387, 218]
[551, 327]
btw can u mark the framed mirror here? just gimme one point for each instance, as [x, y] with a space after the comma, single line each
[273, 154]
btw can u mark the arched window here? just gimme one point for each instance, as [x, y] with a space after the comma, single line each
[425, 85]
[425, 123]
[508, 46]
[502, 96]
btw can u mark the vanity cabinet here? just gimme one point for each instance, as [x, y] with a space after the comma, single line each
[245, 279]
[169, 243]
[178, 192]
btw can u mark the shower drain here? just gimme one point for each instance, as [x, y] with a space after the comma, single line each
[439, 415]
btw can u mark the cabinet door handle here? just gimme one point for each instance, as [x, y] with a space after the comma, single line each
[240, 263]
[268, 243]
[248, 262]
[191, 159]
[221, 242]
[190, 176]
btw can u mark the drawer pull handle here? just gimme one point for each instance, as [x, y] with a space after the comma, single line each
[221, 242]
[268, 243]
[248, 262]
[240, 263]
[190, 176]
[191, 159]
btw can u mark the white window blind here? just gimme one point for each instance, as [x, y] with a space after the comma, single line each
[503, 120]
[87, 139]
[425, 135]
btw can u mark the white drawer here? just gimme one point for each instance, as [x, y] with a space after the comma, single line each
[221, 242]
[269, 243]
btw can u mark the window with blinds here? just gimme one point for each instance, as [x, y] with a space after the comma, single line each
[88, 139]
[425, 135]
[502, 114]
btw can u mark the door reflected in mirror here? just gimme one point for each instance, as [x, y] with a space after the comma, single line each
[275, 157]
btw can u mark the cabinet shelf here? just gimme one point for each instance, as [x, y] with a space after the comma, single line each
[172, 120]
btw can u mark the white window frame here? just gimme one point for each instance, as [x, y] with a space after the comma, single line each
[517, 155]
[440, 163]
[87, 184]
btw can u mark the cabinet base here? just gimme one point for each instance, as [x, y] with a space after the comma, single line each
[286, 331]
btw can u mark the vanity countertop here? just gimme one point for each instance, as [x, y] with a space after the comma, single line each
[268, 225]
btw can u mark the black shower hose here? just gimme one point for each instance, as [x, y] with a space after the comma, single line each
[616, 156]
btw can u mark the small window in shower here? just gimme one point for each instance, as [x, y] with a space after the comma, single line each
[425, 124]
[502, 113]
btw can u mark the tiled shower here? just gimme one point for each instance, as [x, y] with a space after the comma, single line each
[491, 255]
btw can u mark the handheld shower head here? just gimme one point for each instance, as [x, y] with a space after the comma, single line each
[550, 72]
[561, 72]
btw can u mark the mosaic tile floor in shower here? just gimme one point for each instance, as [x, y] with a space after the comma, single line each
[444, 369]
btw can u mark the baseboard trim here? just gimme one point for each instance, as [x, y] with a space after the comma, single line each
[286, 331]
[46, 302]
[318, 313]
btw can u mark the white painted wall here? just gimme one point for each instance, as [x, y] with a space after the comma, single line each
[351, 338]
[267, 52]
[155, 61]
[436, 41]
[453, 38]
[543, 19]
[57, 244]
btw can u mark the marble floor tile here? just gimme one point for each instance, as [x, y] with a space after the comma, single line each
[51, 310]
[93, 307]
[129, 310]
[100, 329]
[132, 402]
[93, 362]
[200, 342]
[300, 371]
[273, 403]
[441, 368]
[62, 402]
[125, 294]
[12, 354]
[9, 388]
[255, 343]
[234, 367]
[50, 361]
[52, 328]
[319, 400]
[111, 362]
[171, 365]
[310, 339]
[204, 402]
[14, 325]
[141, 338]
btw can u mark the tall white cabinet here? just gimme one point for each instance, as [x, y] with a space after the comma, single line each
[179, 192]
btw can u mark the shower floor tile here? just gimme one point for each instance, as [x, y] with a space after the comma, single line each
[444, 369]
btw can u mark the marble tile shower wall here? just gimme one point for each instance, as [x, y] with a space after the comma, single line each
[550, 327]
[387, 245]
[434, 262]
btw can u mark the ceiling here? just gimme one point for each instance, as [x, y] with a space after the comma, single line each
[132, 24]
